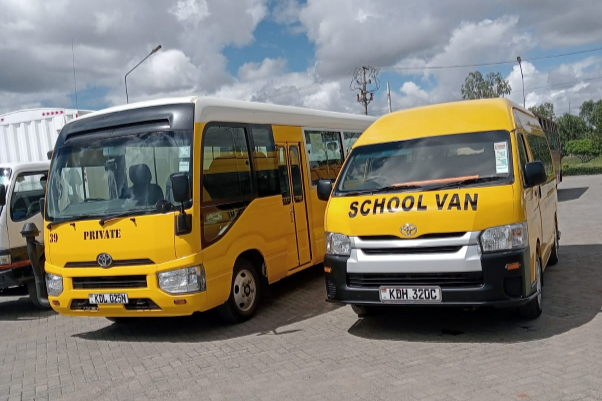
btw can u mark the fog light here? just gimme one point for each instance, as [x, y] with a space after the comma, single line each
[179, 301]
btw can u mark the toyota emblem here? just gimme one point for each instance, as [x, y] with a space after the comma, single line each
[408, 230]
[104, 260]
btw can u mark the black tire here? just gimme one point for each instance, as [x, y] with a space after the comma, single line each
[245, 293]
[533, 309]
[554, 257]
[363, 310]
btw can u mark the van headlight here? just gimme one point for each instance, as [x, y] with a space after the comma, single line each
[337, 244]
[54, 285]
[188, 279]
[505, 238]
[4, 260]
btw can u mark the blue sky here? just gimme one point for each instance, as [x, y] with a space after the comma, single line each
[275, 49]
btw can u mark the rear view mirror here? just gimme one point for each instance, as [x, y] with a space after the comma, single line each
[324, 189]
[180, 188]
[2, 195]
[535, 174]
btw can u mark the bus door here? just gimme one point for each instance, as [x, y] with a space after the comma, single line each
[294, 198]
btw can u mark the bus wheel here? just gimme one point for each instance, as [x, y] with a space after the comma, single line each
[533, 309]
[244, 293]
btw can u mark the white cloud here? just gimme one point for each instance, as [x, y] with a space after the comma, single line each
[269, 68]
[190, 10]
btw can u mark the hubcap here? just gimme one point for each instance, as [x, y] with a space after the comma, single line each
[244, 290]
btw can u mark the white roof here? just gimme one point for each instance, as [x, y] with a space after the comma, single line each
[218, 109]
[28, 165]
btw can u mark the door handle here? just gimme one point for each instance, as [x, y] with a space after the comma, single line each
[292, 218]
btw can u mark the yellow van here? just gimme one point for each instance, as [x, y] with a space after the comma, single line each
[451, 204]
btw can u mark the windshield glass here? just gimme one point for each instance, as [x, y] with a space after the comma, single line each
[4, 180]
[481, 158]
[115, 175]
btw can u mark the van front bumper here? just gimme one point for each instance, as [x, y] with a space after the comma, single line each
[498, 287]
[142, 302]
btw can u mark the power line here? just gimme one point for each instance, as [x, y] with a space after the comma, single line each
[562, 84]
[443, 67]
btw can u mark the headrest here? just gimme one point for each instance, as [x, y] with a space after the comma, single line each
[140, 174]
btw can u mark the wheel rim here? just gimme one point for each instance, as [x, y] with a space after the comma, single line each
[244, 290]
[538, 279]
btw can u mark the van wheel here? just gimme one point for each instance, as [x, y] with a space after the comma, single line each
[363, 310]
[244, 293]
[554, 255]
[533, 309]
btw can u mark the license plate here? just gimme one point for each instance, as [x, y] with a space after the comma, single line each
[410, 294]
[96, 299]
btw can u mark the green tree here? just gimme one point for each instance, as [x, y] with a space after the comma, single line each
[591, 112]
[572, 127]
[544, 110]
[492, 85]
[584, 149]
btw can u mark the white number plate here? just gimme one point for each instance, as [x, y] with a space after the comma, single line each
[410, 295]
[96, 299]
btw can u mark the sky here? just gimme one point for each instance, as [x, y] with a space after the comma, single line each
[295, 52]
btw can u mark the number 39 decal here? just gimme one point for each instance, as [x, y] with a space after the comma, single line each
[54, 238]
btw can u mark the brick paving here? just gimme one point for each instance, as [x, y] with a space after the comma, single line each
[300, 348]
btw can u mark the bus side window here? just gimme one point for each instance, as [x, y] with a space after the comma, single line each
[265, 160]
[325, 154]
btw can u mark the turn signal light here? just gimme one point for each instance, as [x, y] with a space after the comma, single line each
[56, 303]
[179, 301]
[512, 266]
[328, 269]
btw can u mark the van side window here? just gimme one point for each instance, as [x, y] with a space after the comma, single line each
[522, 153]
[265, 160]
[541, 152]
[25, 199]
[325, 155]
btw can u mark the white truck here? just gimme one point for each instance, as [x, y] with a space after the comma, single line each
[27, 139]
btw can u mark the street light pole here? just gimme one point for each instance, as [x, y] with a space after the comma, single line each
[522, 78]
[156, 49]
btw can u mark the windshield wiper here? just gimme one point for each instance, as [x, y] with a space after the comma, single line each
[459, 183]
[125, 214]
[399, 187]
[68, 220]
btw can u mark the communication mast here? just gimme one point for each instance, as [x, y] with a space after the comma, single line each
[365, 80]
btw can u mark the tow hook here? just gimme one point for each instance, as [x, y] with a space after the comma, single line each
[30, 232]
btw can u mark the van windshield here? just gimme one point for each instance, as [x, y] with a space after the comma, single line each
[481, 158]
[114, 175]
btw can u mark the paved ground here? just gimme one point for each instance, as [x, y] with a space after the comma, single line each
[301, 348]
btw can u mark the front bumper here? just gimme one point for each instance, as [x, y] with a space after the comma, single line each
[500, 287]
[143, 302]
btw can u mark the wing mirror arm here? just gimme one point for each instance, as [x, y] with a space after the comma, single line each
[180, 185]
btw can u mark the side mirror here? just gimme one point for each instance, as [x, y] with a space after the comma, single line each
[535, 174]
[324, 189]
[49, 154]
[2, 195]
[42, 205]
[180, 186]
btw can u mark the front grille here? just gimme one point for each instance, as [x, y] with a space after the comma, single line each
[141, 304]
[109, 282]
[445, 280]
[82, 304]
[411, 251]
[425, 236]
[116, 263]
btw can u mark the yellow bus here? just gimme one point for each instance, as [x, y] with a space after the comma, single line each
[169, 207]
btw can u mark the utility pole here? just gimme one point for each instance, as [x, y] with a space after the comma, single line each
[522, 78]
[365, 80]
[389, 96]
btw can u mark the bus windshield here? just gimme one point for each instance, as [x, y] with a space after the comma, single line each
[429, 163]
[115, 175]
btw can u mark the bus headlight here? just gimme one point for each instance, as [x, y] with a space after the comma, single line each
[505, 238]
[54, 285]
[188, 279]
[337, 244]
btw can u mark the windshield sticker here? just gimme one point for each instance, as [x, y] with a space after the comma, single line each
[501, 157]
[411, 203]
[184, 167]
[184, 152]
